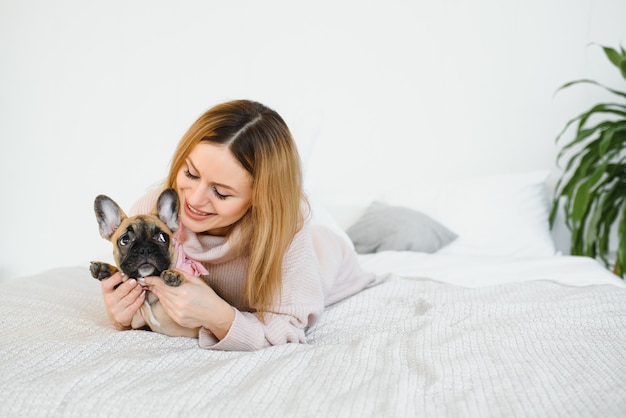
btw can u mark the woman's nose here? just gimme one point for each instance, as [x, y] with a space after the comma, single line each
[199, 195]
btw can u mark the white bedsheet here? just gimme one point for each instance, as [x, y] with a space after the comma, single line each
[403, 348]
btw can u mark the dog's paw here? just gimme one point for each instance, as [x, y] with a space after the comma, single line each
[101, 271]
[172, 278]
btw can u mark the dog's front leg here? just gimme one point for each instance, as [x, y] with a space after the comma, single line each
[100, 270]
[172, 278]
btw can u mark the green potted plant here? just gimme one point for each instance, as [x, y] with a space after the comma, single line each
[592, 188]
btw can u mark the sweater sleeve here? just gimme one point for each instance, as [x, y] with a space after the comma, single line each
[301, 303]
[319, 269]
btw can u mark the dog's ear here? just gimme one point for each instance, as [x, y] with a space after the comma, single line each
[167, 208]
[108, 214]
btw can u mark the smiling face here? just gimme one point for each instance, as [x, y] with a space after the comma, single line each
[215, 191]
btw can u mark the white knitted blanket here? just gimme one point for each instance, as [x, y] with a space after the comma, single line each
[406, 347]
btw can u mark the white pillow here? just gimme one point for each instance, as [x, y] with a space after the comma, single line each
[321, 216]
[492, 215]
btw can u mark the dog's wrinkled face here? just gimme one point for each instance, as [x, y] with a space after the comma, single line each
[142, 244]
[142, 247]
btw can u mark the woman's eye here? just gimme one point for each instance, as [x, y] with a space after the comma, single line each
[219, 195]
[124, 240]
[191, 176]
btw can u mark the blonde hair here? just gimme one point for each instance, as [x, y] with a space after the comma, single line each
[260, 140]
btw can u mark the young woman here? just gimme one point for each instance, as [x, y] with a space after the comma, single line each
[243, 215]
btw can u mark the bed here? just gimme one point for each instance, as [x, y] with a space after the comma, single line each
[492, 323]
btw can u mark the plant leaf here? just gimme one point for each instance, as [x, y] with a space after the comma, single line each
[621, 249]
[609, 142]
[614, 201]
[605, 140]
[592, 189]
[591, 235]
[608, 220]
[554, 211]
[583, 200]
[613, 56]
[584, 195]
[611, 108]
[587, 81]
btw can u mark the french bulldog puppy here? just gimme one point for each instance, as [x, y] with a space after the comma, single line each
[143, 245]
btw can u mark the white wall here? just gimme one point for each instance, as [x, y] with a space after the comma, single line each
[95, 95]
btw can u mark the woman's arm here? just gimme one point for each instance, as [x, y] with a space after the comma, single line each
[226, 327]
[298, 306]
[194, 304]
[249, 333]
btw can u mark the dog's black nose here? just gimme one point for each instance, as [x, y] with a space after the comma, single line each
[146, 250]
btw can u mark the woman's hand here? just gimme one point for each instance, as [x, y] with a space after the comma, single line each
[194, 304]
[122, 302]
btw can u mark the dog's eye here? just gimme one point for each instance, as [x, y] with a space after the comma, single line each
[124, 240]
[161, 237]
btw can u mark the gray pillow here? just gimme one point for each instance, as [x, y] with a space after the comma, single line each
[384, 227]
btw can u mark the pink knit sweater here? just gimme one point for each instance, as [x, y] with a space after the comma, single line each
[319, 269]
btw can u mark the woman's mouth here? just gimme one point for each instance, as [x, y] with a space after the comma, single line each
[195, 213]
